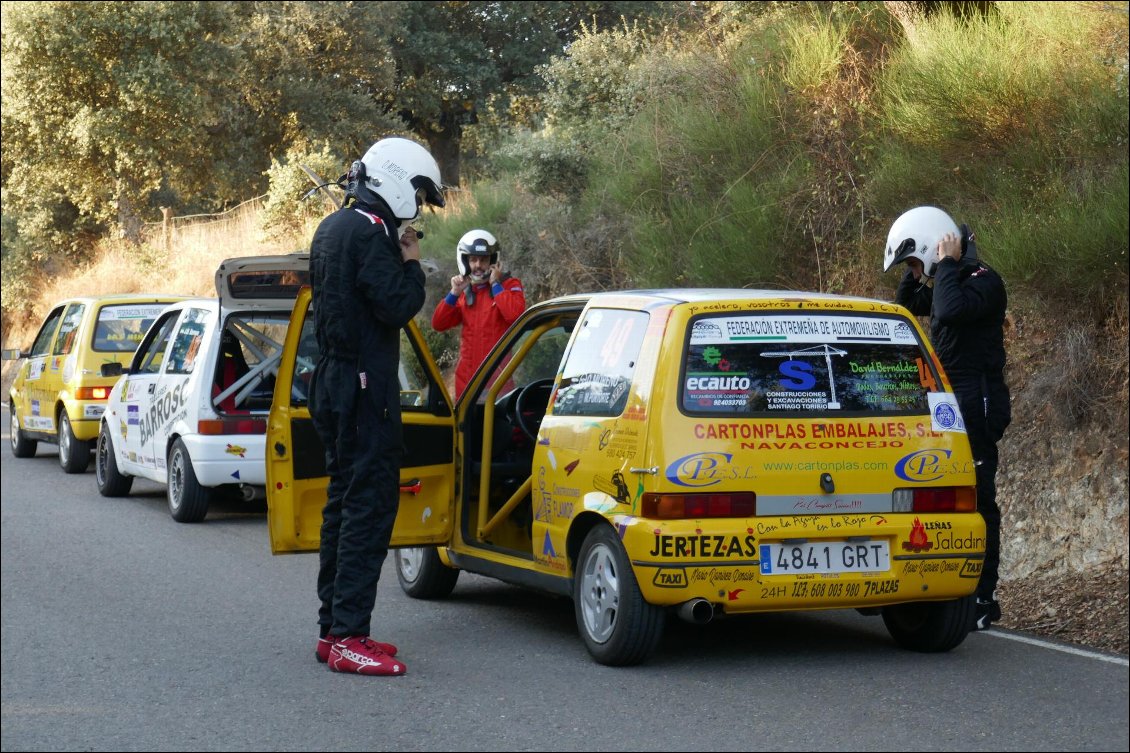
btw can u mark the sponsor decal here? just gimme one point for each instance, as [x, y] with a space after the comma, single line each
[667, 577]
[924, 465]
[547, 546]
[234, 449]
[704, 545]
[35, 367]
[35, 407]
[162, 408]
[733, 595]
[572, 467]
[944, 413]
[616, 487]
[971, 569]
[93, 411]
[133, 414]
[716, 575]
[919, 541]
[700, 469]
[635, 413]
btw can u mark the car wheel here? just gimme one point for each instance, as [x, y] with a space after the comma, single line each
[74, 454]
[422, 574]
[618, 626]
[188, 500]
[930, 626]
[22, 447]
[111, 483]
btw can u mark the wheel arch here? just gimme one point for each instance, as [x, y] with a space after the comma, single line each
[582, 524]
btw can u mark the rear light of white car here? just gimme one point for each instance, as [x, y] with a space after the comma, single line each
[675, 506]
[92, 393]
[232, 426]
[936, 499]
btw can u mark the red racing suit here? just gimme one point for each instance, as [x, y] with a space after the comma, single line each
[484, 320]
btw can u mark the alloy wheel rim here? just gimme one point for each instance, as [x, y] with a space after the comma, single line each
[14, 432]
[64, 439]
[600, 593]
[176, 479]
[410, 560]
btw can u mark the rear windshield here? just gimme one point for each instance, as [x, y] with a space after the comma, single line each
[267, 283]
[804, 365]
[121, 327]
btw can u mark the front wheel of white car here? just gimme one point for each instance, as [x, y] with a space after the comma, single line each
[22, 447]
[618, 625]
[422, 574]
[111, 482]
[74, 454]
[188, 500]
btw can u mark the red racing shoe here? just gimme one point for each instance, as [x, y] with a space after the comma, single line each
[322, 650]
[359, 655]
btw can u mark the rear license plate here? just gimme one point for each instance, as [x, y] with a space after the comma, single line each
[825, 557]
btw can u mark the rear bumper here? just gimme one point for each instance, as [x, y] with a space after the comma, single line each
[227, 458]
[931, 557]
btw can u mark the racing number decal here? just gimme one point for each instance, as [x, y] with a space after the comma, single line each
[926, 377]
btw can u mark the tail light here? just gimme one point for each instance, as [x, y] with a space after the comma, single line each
[92, 393]
[936, 499]
[675, 506]
[215, 427]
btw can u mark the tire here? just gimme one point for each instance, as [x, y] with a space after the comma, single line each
[111, 483]
[22, 447]
[74, 454]
[188, 500]
[619, 628]
[930, 627]
[422, 574]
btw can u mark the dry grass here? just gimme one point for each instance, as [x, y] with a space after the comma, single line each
[181, 261]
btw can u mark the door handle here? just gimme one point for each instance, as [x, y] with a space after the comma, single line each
[152, 387]
[412, 486]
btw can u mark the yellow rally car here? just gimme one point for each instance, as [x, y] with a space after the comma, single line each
[58, 394]
[701, 452]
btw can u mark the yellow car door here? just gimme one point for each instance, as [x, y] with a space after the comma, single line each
[296, 475]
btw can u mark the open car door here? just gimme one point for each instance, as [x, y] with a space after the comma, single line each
[296, 471]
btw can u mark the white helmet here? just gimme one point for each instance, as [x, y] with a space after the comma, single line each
[401, 172]
[475, 243]
[917, 233]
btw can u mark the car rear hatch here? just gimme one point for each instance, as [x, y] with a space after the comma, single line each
[262, 281]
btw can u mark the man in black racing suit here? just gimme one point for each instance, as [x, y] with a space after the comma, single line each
[367, 284]
[966, 305]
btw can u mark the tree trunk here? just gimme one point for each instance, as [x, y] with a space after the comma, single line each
[129, 222]
[444, 146]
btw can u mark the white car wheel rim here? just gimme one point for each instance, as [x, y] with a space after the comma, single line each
[64, 440]
[600, 593]
[410, 562]
[15, 431]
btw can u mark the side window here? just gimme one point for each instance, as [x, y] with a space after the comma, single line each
[151, 354]
[68, 331]
[43, 340]
[186, 344]
[415, 386]
[598, 370]
[305, 360]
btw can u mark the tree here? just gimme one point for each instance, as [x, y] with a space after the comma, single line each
[456, 59]
[97, 96]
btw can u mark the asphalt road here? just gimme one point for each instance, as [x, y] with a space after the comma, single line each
[123, 630]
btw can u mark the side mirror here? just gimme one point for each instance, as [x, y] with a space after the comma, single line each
[12, 354]
[111, 369]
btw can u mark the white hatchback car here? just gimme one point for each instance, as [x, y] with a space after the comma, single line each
[191, 410]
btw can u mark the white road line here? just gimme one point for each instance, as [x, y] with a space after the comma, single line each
[1057, 647]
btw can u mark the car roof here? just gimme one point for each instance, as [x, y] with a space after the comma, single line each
[709, 295]
[121, 298]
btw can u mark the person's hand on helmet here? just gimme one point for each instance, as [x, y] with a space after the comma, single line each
[495, 272]
[949, 245]
[459, 283]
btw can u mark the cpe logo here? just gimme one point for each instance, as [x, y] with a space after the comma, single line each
[924, 465]
[697, 469]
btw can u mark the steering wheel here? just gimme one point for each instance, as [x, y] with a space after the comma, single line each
[530, 406]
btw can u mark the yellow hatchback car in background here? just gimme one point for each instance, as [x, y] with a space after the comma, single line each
[696, 452]
[58, 394]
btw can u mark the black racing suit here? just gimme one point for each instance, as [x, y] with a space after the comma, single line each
[363, 294]
[967, 308]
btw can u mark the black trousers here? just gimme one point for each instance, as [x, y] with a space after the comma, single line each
[974, 401]
[361, 430]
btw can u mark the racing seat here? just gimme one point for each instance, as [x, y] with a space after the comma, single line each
[231, 368]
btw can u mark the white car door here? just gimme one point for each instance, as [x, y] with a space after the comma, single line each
[141, 389]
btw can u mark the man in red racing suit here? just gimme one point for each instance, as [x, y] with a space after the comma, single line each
[483, 299]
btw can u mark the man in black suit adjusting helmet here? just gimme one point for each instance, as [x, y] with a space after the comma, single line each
[966, 301]
[366, 284]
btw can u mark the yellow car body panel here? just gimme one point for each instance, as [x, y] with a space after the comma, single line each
[829, 416]
[64, 363]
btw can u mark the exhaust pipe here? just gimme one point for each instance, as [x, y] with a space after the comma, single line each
[696, 611]
[251, 493]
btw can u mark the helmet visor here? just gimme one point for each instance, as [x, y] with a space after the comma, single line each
[427, 191]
